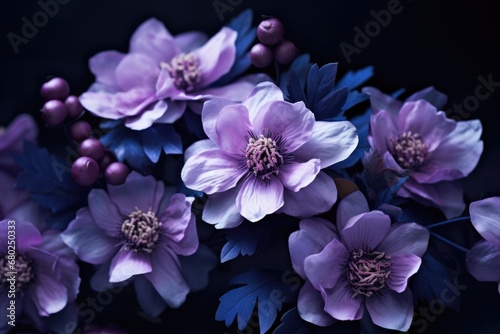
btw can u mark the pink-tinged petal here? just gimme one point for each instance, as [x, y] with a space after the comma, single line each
[340, 304]
[127, 263]
[365, 231]
[148, 117]
[485, 216]
[153, 39]
[142, 192]
[391, 310]
[167, 277]
[310, 306]
[313, 236]
[431, 95]
[210, 114]
[217, 56]
[352, 205]
[382, 128]
[293, 122]
[318, 197]
[191, 40]
[235, 91]
[221, 210]
[198, 147]
[423, 118]
[103, 65]
[134, 101]
[232, 129]
[149, 300]
[456, 156]
[331, 142]
[405, 238]
[22, 128]
[137, 70]
[26, 235]
[445, 195]
[296, 176]
[100, 104]
[174, 111]
[260, 95]
[211, 172]
[326, 269]
[380, 101]
[483, 261]
[256, 198]
[88, 240]
[196, 267]
[165, 86]
[403, 266]
[105, 213]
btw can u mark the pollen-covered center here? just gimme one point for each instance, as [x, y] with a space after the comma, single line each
[141, 231]
[367, 272]
[16, 270]
[409, 150]
[263, 156]
[184, 69]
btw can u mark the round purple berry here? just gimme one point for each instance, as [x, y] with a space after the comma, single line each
[54, 112]
[92, 148]
[116, 173]
[261, 55]
[79, 131]
[107, 160]
[56, 88]
[85, 171]
[285, 52]
[74, 106]
[270, 31]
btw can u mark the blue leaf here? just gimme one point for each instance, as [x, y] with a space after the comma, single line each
[244, 240]
[330, 105]
[432, 280]
[265, 288]
[295, 89]
[313, 80]
[151, 144]
[292, 323]
[354, 79]
[327, 73]
[354, 98]
[300, 66]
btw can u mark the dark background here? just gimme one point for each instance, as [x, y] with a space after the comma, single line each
[446, 43]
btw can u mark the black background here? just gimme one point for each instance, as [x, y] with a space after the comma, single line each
[446, 43]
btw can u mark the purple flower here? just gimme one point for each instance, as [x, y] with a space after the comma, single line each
[265, 155]
[154, 82]
[137, 230]
[483, 260]
[22, 128]
[414, 135]
[47, 279]
[361, 264]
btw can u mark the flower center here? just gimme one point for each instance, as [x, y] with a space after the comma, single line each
[263, 157]
[141, 231]
[16, 272]
[367, 272]
[409, 150]
[184, 69]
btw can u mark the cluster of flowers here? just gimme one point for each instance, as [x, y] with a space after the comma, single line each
[343, 186]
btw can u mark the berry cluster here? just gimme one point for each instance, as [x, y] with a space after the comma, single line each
[94, 158]
[273, 45]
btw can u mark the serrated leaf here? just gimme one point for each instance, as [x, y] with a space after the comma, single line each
[243, 240]
[354, 79]
[266, 289]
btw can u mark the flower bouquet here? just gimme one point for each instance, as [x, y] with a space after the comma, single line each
[322, 203]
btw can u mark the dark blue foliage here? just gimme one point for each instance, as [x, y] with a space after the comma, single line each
[354, 79]
[244, 240]
[436, 282]
[49, 181]
[246, 35]
[300, 67]
[267, 289]
[292, 323]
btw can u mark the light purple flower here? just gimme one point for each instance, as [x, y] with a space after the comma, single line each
[47, 280]
[483, 260]
[265, 155]
[137, 230]
[414, 135]
[22, 128]
[161, 73]
[362, 264]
